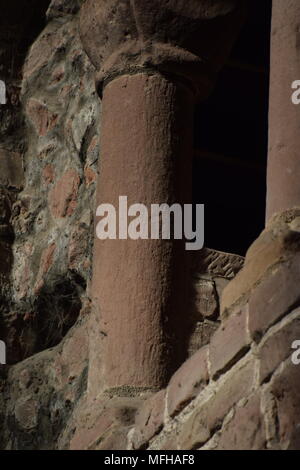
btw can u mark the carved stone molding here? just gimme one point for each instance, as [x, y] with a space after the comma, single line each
[186, 38]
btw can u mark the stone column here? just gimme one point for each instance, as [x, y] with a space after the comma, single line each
[153, 60]
[283, 181]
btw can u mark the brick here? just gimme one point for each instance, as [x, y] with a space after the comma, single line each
[188, 381]
[229, 342]
[86, 437]
[237, 385]
[195, 431]
[209, 415]
[274, 297]
[100, 419]
[285, 389]
[245, 431]
[150, 419]
[115, 440]
[266, 251]
[277, 348]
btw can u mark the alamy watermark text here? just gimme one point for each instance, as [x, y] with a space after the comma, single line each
[160, 222]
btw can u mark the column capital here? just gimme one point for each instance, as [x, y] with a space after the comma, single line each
[188, 39]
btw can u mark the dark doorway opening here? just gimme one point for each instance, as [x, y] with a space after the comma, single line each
[231, 138]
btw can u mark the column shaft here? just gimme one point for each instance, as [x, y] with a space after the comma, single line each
[139, 286]
[283, 180]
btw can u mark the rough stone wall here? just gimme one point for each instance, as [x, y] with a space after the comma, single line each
[48, 159]
[52, 218]
[38, 395]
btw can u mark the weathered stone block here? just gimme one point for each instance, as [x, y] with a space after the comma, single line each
[285, 389]
[209, 414]
[275, 296]
[277, 347]
[238, 384]
[116, 439]
[229, 342]
[102, 418]
[245, 431]
[195, 431]
[85, 438]
[150, 419]
[262, 255]
[188, 381]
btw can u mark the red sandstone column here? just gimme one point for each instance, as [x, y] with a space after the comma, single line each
[153, 59]
[283, 182]
[146, 156]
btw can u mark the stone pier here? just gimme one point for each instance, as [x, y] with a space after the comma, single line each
[153, 60]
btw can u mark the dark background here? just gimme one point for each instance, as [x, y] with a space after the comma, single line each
[231, 139]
